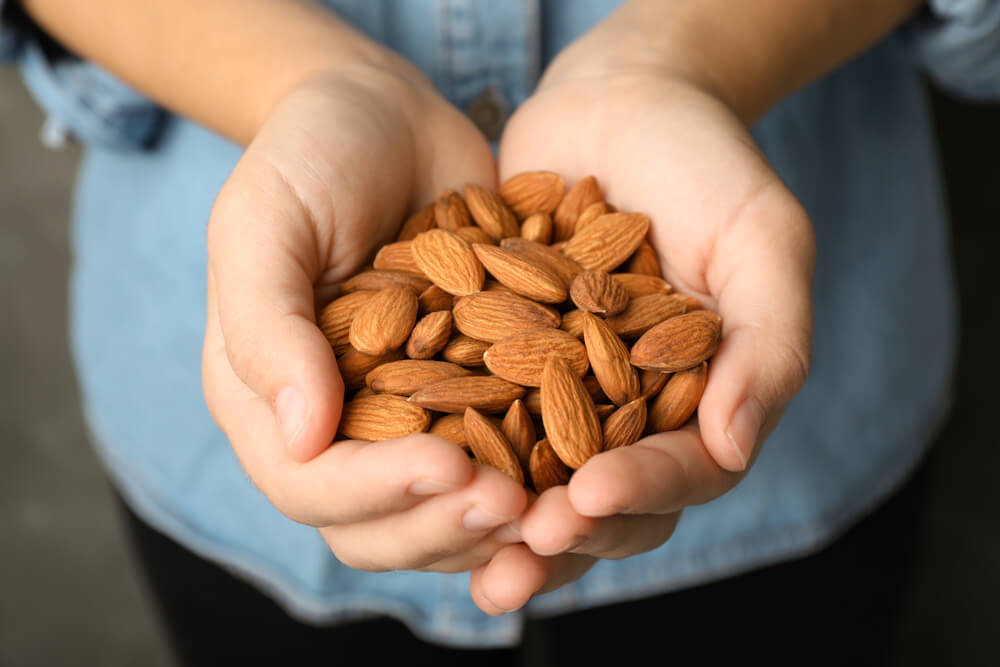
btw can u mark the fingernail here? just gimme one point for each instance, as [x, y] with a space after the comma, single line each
[477, 519]
[744, 429]
[430, 487]
[290, 406]
[509, 532]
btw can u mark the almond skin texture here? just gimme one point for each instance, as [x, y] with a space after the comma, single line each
[521, 276]
[610, 360]
[465, 351]
[678, 400]
[533, 397]
[521, 357]
[429, 335]
[545, 468]
[336, 317]
[406, 376]
[577, 199]
[354, 366]
[450, 211]
[533, 192]
[608, 241]
[645, 312]
[544, 255]
[385, 322]
[590, 214]
[417, 223]
[375, 280]
[571, 424]
[490, 446]
[487, 394]
[645, 260]
[493, 316]
[450, 427]
[490, 212]
[680, 343]
[473, 234]
[651, 382]
[598, 292]
[448, 260]
[434, 299]
[572, 323]
[625, 425]
[639, 284]
[397, 256]
[519, 429]
[537, 227]
[382, 417]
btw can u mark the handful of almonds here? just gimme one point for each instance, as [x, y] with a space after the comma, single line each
[531, 326]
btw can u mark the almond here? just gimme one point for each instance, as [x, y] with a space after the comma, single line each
[532, 192]
[490, 212]
[487, 394]
[579, 197]
[608, 241]
[521, 357]
[598, 292]
[644, 312]
[398, 256]
[610, 360]
[519, 429]
[473, 234]
[450, 211]
[417, 223]
[490, 446]
[640, 284]
[533, 397]
[625, 425]
[571, 424]
[450, 427]
[540, 254]
[678, 400]
[354, 366]
[526, 278]
[465, 351]
[590, 214]
[375, 280]
[336, 317]
[493, 316]
[449, 261]
[545, 468]
[385, 322]
[434, 299]
[406, 376]
[429, 335]
[604, 410]
[382, 417]
[651, 382]
[537, 227]
[572, 323]
[679, 343]
[645, 260]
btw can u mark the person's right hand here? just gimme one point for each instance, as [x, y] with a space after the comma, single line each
[327, 179]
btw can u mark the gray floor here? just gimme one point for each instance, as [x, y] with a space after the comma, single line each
[70, 595]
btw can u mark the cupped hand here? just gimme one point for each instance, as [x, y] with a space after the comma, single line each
[727, 231]
[328, 178]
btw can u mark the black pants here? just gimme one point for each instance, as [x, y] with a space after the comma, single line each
[839, 607]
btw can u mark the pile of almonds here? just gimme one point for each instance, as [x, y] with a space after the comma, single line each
[531, 326]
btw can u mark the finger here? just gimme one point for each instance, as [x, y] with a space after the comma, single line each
[515, 574]
[766, 310]
[659, 474]
[439, 527]
[352, 481]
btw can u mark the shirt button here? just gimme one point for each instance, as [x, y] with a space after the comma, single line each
[489, 112]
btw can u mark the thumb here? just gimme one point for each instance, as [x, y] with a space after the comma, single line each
[761, 276]
[263, 265]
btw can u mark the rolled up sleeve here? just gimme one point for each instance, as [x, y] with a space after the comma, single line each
[958, 43]
[87, 101]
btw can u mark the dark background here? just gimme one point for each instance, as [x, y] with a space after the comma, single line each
[70, 595]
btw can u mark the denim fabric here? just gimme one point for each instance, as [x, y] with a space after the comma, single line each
[857, 149]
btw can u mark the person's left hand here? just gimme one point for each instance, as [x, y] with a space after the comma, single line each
[728, 232]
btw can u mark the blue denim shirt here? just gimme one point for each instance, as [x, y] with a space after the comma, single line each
[856, 147]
